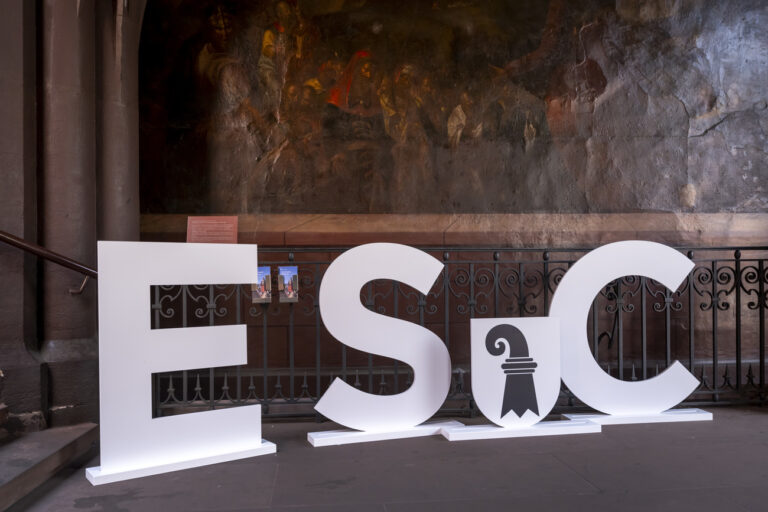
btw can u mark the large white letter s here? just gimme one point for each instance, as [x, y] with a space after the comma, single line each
[351, 323]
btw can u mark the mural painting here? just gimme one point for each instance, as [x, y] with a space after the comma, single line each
[434, 106]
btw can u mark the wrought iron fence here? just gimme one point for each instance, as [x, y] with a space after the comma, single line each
[714, 323]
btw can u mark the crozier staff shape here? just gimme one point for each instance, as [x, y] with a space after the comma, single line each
[519, 390]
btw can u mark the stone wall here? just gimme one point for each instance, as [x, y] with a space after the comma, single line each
[456, 107]
[519, 231]
[69, 160]
[25, 388]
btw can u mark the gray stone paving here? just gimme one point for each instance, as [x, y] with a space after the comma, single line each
[720, 465]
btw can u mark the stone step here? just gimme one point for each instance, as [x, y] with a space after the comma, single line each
[30, 460]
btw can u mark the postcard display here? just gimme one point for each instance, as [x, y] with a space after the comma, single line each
[517, 363]
[288, 283]
[261, 291]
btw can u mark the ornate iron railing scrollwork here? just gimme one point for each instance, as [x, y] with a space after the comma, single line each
[714, 323]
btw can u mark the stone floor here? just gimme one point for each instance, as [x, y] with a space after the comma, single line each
[720, 465]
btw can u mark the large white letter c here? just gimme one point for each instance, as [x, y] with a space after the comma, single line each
[571, 303]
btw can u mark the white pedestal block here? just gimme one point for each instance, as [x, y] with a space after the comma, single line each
[544, 428]
[96, 476]
[671, 415]
[336, 437]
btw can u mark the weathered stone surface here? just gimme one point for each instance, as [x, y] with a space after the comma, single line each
[570, 107]
[68, 177]
[3, 407]
[532, 230]
[337, 230]
[34, 458]
[266, 229]
[24, 391]
[74, 392]
[731, 161]
[118, 28]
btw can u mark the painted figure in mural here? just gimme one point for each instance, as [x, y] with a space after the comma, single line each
[434, 111]
[356, 90]
[234, 123]
[515, 116]
[301, 159]
[278, 46]
[470, 152]
[353, 128]
[413, 179]
[329, 73]
[305, 114]
[464, 122]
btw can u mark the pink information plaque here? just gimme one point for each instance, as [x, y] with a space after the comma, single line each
[212, 230]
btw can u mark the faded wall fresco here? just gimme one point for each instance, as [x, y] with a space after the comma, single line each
[454, 106]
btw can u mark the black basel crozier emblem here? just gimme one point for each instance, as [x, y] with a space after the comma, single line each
[519, 391]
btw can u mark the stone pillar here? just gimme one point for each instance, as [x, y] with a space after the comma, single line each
[24, 390]
[119, 31]
[68, 204]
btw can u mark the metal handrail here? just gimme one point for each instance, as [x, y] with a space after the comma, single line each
[44, 253]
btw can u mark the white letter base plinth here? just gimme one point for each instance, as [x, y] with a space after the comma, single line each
[97, 477]
[672, 415]
[543, 428]
[337, 437]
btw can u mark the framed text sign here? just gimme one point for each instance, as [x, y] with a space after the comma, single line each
[218, 229]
